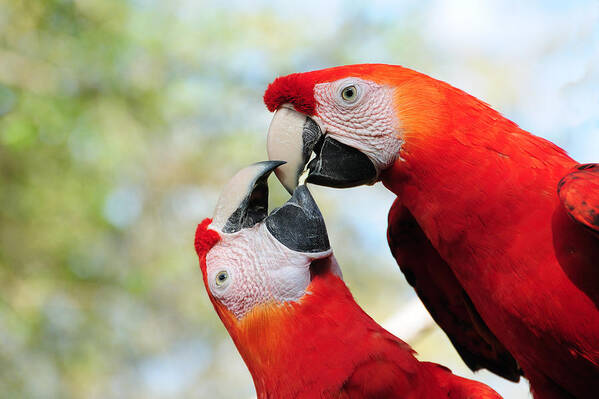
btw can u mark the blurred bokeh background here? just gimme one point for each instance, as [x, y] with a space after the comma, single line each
[121, 120]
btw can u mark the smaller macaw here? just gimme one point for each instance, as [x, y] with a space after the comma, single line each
[276, 286]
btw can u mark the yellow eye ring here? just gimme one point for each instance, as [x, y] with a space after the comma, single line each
[349, 93]
[221, 278]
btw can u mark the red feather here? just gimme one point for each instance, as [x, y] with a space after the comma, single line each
[293, 89]
[205, 238]
[444, 297]
[579, 193]
[325, 346]
[484, 193]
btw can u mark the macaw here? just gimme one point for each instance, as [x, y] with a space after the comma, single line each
[276, 286]
[495, 228]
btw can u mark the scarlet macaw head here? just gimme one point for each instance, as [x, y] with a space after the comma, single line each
[254, 262]
[277, 288]
[350, 123]
[345, 115]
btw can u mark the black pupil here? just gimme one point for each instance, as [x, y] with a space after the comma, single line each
[222, 276]
[349, 92]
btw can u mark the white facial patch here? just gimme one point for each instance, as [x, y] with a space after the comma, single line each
[258, 269]
[366, 122]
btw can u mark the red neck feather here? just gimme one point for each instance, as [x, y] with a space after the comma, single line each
[312, 346]
[454, 144]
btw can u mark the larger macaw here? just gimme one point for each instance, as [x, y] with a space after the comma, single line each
[496, 229]
[277, 288]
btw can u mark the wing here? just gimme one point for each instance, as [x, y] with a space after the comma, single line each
[579, 193]
[444, 297]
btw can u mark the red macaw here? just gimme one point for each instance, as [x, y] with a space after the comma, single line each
[277, 288]
[495, 228]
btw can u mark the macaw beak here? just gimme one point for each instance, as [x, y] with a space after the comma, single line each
[243, 202]
[294, 137]
[298, 224]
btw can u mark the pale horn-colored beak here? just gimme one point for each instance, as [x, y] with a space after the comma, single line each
[291, 137]
[298, 224]
[244, 199]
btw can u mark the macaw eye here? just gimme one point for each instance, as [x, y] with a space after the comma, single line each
[221, 278]
[349, 93]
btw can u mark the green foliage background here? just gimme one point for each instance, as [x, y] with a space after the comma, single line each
[119, 123]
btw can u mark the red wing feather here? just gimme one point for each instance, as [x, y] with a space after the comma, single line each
[444, 297]
[579, 193]
[460, 388]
